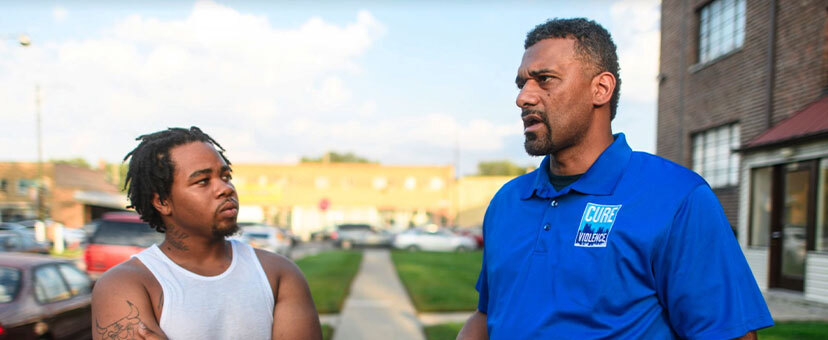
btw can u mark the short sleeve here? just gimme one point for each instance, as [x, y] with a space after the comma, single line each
[482, 287]
[703, 280]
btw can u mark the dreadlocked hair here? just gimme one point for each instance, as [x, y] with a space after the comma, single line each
[151, 170]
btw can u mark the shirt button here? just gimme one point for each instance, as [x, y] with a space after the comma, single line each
[546, 227]
[554, 203]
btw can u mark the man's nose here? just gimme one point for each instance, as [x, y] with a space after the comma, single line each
[226, 189]
[527, 97]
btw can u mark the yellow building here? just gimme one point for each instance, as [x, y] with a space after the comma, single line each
[473, 196]
[310, 197]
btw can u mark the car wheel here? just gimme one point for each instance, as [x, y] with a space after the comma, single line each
[461, 249]
[412, 248]
[346, 244]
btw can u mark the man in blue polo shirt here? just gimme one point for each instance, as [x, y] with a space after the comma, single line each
[601, 241]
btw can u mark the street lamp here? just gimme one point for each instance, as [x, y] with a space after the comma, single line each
[25, 41]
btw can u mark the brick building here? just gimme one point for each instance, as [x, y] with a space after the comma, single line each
[742, 101]
[70, 194]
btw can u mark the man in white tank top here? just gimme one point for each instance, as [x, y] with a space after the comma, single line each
[196, 284]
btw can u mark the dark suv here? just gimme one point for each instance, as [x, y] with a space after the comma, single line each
[117, 236]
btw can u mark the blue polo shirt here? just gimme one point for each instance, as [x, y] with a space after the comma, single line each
[637, 248]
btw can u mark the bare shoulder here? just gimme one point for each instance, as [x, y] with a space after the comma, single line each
[276, 265]
[121, 301]
[127, 276]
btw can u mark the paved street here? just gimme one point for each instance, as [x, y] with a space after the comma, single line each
[378, 306]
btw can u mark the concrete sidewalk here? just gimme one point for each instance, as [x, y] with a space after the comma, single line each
[378, 306]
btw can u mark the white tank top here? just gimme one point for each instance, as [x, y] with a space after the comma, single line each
[236, 304]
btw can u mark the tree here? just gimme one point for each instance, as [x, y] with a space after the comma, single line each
[336, 157]
[499, 168]
[78, 162]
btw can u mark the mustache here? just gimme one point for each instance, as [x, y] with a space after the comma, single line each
[228, 200]
[526, 112]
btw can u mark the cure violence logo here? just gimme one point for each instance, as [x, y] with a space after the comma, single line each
[596, 224]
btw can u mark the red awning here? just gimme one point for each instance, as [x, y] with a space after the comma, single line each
[810, 122]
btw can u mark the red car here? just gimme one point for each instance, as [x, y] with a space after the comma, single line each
[42, 297]
[117, 236]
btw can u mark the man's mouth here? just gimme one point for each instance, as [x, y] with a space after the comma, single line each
[532, 122]
[229, 209]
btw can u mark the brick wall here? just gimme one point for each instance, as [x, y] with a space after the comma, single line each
[694, 97]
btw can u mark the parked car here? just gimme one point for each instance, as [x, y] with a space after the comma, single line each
[118, 236]
[43, 298]
[433, 239]
[265, 237]
[12, 226]
[475, 233]
[21, 240]
[323, 234]
[348, 236]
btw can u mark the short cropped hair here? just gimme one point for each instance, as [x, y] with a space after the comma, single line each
[593, 44]
[151, 169]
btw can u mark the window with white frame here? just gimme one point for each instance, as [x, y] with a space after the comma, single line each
[714, 157]
[721, 28]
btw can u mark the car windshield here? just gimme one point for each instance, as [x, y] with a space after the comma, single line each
[9, 283]
[257, 235]
[126, 234]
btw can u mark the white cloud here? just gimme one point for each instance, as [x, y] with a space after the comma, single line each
[636, 31]
[236, 75]
[637, 35]
[59, 14]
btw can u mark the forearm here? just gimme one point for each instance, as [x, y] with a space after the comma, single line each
[475, 328]
[749, 336]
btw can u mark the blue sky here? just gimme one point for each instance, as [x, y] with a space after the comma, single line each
[408, 83]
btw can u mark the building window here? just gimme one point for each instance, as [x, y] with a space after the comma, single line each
[380, 183]
[721, 28]
[760, 206]
[410, 183]
[4, 185]
[714, 157]
[436, 183]
[322, 182]
[23, 185]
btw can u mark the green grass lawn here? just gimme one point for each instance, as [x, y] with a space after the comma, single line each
[444, 331]
[439, 282]
[329, 276]
[795, 330]
[327, 332]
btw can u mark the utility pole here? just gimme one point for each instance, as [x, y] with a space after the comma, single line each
[41, 186]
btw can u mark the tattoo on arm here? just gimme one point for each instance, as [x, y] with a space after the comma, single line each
[124, 328]
[176, 237]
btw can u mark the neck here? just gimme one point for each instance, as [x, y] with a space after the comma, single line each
[577, 159]
[199, 254]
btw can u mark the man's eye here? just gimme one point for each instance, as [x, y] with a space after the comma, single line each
[203, 181]
[228, 177]
[544, 79]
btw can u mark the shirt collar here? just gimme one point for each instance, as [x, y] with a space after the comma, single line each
[600, 179]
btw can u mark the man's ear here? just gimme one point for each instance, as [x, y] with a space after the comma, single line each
[163, 207]
[602, 87]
